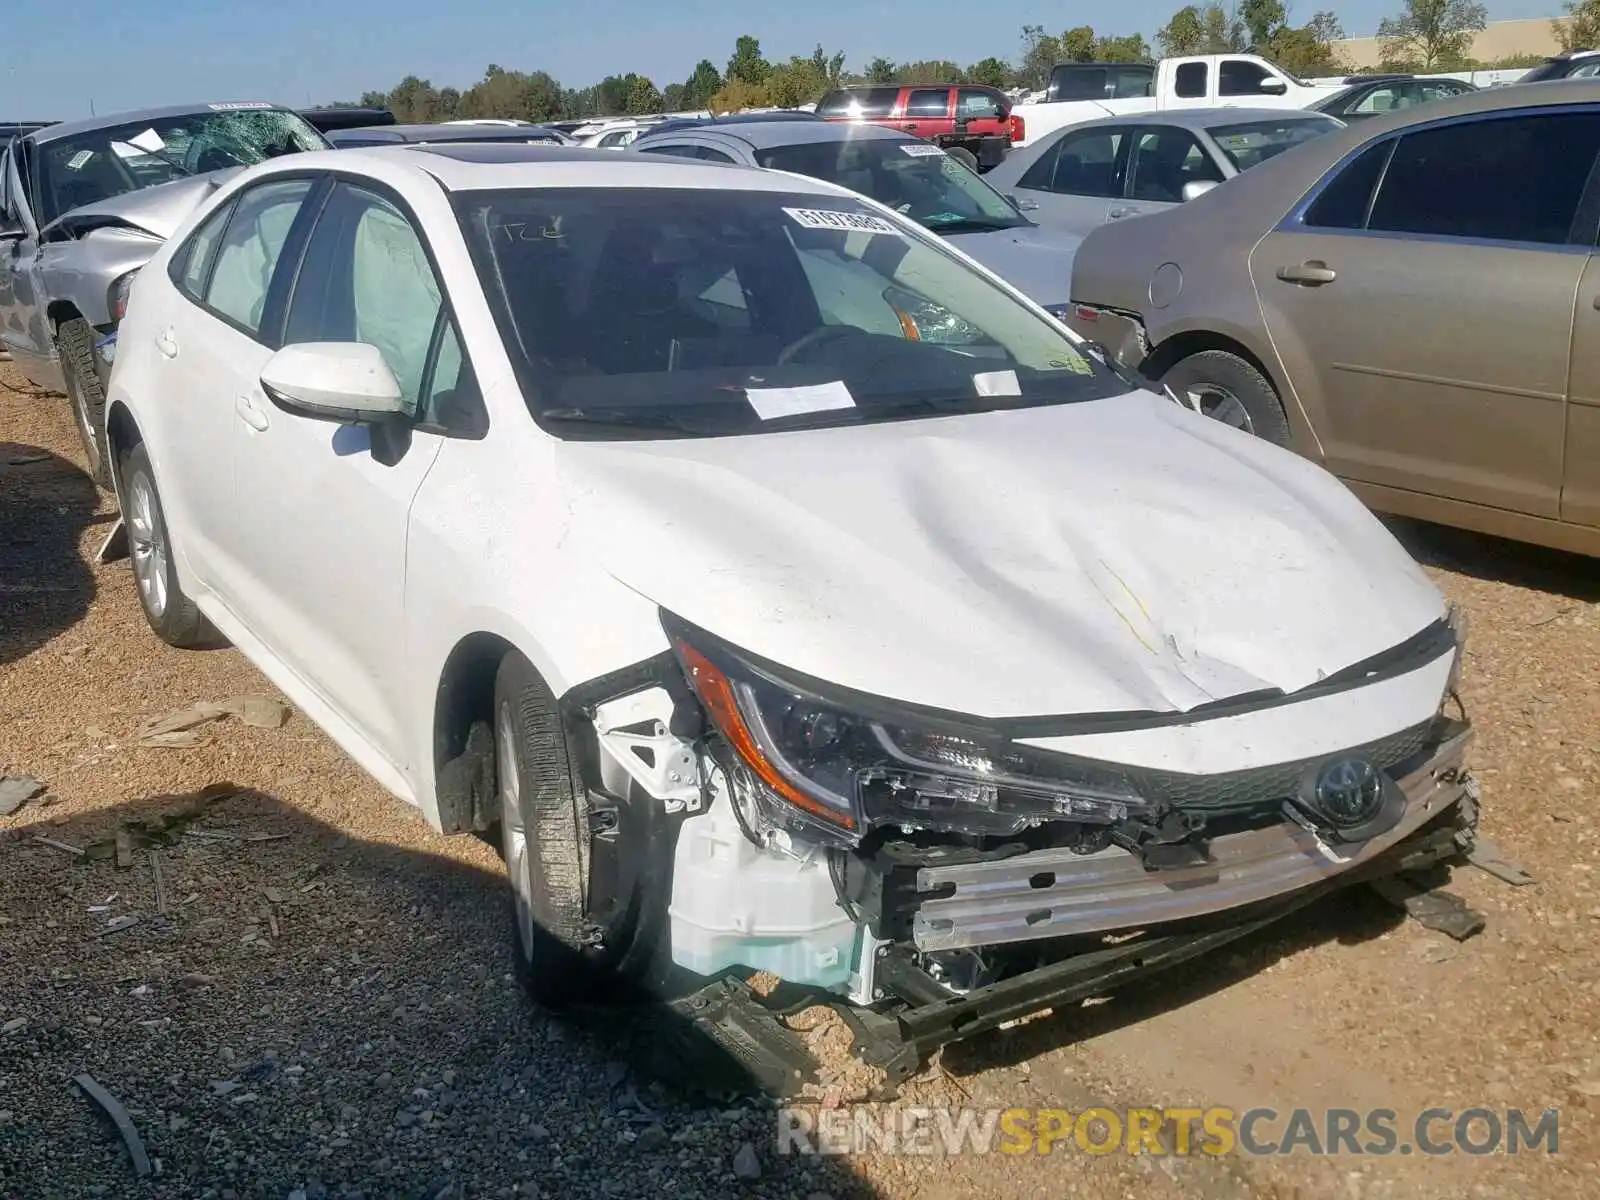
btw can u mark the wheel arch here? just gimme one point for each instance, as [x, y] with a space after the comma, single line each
[1176, 347]
[122, 434]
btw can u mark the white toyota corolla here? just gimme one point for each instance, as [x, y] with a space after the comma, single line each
[792, 594]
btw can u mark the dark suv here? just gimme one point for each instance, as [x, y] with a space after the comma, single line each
[1573, 64]
[970, 122]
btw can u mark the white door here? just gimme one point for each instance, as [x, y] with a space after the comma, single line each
[226, 269]
[325, 508]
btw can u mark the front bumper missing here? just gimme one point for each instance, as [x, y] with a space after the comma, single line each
[898, 1040]
[1057, 893]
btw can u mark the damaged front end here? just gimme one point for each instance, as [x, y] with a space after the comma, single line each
[943, 876]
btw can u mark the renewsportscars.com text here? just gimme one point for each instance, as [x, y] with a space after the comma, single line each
[1254, 1132]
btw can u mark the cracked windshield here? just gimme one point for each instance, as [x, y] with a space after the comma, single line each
[103, 163]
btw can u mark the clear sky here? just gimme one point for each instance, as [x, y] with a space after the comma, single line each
[55, 59]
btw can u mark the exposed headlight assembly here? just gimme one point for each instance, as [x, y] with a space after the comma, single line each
[817, 767]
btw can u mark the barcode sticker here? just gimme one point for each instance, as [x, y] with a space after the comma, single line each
[848, 222]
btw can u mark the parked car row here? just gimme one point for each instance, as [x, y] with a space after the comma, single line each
[787, 591]
[1413, 301]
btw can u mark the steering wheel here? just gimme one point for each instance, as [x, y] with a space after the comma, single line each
[816, 337]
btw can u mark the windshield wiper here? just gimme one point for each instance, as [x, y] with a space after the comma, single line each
[634, 418]
[971, 224]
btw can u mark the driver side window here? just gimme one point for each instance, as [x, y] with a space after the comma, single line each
[366, 278]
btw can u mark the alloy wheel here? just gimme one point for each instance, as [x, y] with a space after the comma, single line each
[148, 543]
[1217, 402]
[513, 828]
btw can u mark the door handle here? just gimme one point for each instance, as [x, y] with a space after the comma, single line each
[1312, 273]
[167, 343]
[251, 413]
[1116, 214]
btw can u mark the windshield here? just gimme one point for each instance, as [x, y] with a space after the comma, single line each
[1256, 141]
[647, 312]
[108, 162]
[915, 178]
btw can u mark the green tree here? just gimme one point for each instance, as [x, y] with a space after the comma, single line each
[1225, 33]
[1581, 29]
[747, 65]
[1132, 48]
[1078, 45]
[990, 72]
[1262, 20]
[1430, 34]
[930, 71]
[643, 97]
[880, 71]
[829, 68]
[704, 83]
[1041, 51]
[374, 100]
[611, 95]
[1184, 33]
[1308, 50]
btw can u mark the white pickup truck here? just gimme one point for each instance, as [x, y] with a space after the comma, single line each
[1081, 92]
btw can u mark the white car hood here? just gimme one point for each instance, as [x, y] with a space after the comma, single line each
[1119, 555]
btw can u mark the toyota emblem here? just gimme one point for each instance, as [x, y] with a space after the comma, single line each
[1349, 791]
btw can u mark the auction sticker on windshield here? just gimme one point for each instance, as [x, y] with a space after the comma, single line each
[850, 222]
[772, 403]
[921, 149]
[231, 105]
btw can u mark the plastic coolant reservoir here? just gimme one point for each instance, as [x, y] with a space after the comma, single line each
[734, 904]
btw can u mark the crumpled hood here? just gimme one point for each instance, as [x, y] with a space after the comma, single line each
[1037, 262]
[1109, 556]
[157, 210]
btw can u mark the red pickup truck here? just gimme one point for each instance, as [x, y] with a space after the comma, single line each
[970, 122]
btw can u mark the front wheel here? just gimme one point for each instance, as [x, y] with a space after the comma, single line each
[1226, 388]
[75, 344]
[590, 878]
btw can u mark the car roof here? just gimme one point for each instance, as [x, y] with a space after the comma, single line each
[66, 129]
[1261, 195]
[769, 135]
[678, 124]
[1205, 118]
[476, 166]
[443, 132]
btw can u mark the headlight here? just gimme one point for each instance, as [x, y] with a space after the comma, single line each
[117, 298]
[838, 773]
[921, 320]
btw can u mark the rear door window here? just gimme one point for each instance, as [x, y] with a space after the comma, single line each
[973, 103]
[247, 258]
[1162, 160]
[928, 102]
[1516, 179]
[1082, 164]
[1189, 81]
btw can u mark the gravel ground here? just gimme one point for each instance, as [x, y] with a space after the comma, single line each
[326, 1006]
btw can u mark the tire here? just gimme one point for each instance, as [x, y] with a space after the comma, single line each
[565, 953]
[75, 343]
[170, 612]
[965, 157]
[1229, 389]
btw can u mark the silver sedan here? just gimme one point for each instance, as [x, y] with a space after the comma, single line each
[1120, 167]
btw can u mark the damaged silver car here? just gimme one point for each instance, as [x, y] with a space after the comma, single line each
[83, 206]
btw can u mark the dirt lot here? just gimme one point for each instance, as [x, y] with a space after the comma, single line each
[326, 1007]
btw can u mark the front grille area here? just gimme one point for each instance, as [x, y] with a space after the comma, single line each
[1261, 786]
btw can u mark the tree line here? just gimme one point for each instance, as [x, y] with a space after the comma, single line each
[1425, 35]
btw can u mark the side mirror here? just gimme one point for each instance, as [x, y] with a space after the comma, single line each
[345, 382]
[1196, 188]
[1273, 86]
